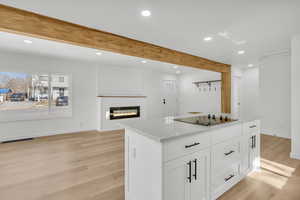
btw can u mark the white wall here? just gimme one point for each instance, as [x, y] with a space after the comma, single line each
[83, 91]
[90, 80]
[115, 80]
[295, 97]
[275, 95]
[250, 93]
[193, 100]
[236, 88]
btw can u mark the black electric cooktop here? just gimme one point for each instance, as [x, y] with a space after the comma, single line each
[207, 120]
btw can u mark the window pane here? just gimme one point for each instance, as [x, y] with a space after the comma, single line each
[20, 91]
[60, 91]
[39, 91]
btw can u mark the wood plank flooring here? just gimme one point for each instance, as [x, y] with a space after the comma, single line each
[81, 166]
[89, 166]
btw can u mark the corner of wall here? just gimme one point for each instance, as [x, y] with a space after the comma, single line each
[295, 155]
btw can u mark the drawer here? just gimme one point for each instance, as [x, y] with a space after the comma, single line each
[227, 133]
[226, 179]
[250, 128]
[225, 154]
[186, 145]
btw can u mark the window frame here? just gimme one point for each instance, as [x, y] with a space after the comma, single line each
[41, 114]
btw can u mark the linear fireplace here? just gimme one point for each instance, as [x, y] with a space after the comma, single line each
[124, 112]
[112, 109]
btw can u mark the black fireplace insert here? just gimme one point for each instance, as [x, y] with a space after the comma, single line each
[124, 112]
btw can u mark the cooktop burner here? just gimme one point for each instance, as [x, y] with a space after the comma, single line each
[207, 120]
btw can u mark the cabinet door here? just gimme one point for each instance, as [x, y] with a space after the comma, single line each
[254, 151]
[201, 170]
[187, 178]
[177, 186]
[245, 155]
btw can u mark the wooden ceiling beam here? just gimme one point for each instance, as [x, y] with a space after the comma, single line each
[19, 21]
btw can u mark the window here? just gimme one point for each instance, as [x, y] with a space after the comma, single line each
[61, 79]
[42, 95]
[60, 91]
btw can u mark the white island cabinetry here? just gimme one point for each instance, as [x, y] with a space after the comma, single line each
[187, 178]
[178, 161]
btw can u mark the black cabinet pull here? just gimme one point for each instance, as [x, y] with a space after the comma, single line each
[195, 173]
[253, 126]
[228, 153]
[190, 171]
[253, 141]
[192, 145]
[228, 178]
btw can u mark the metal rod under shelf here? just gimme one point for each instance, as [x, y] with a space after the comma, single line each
[212, 81]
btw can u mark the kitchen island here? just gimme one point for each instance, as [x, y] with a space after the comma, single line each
[167, 159]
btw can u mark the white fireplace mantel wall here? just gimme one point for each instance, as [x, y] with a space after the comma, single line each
[104, 104]
[130, 81]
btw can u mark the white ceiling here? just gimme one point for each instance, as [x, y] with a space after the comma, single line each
[260, 27]
[15, 44]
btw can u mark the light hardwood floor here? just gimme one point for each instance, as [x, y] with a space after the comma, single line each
[81, 166]
[89, 166]
[279, 178]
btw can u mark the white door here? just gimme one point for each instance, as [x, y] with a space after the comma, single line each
[236, 96]
[169, 98]
[186, 178]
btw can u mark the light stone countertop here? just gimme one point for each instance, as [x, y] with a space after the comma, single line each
[162, 129]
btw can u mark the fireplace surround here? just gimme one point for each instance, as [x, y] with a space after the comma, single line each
[112, 109]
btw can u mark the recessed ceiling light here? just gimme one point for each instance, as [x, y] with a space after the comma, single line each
[146, 13]
[98, 53]
[28, 41]
[175, 67]
[250, 65]
[178, 72]
[240, 52]
[144, 61]
[207, 39]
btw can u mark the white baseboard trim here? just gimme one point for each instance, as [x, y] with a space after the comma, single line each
[266, 132]
[37, 135]
[110, 129]
[295, 156]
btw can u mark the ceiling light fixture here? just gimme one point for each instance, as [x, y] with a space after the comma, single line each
[207, 39]
[146, 13]
[175, 67]
[144, 61]
[250, 65]
[98, 53]
[178, 72]
[241, 52]
[28, 41]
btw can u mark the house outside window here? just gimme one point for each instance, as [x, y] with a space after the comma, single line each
[60, 90]
[29, 96]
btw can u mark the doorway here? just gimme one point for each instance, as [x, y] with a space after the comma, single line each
[169, 98]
